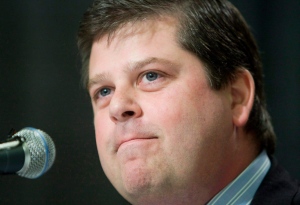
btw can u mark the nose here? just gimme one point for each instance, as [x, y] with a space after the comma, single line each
[124, 106]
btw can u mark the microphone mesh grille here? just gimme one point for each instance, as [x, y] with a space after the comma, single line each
[41, 151]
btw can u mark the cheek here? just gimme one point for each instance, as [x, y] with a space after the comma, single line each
[105, 147]
[178, 107]
[176, 115]
[164, 110]
[102, 126]
[192, 115]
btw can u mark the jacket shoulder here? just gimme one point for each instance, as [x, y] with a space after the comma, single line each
[277, 188]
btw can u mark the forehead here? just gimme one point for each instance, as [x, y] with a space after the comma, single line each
[135, 40]
[142, 44]
[148, 26]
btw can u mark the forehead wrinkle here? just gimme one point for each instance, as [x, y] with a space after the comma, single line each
[137, 65]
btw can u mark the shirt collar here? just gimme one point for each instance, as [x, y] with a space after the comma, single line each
[242, 189]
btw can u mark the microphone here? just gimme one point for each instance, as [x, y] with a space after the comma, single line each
[29, 153]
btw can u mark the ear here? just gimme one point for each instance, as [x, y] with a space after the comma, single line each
[242, 95]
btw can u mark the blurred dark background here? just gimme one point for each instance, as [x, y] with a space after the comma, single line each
[40, 87]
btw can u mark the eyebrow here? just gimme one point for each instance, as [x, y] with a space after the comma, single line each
[97, 79]
[130, 67]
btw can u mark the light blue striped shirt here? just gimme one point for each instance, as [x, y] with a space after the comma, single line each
[241, 191]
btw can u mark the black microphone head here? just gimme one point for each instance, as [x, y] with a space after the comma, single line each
[39, 152]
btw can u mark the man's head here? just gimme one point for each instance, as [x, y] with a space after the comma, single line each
[214, 31]
[177, 94]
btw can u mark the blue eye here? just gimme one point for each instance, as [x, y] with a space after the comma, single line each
[104, 92]
[151, 76]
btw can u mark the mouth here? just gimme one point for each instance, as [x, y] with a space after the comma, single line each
[134, 140]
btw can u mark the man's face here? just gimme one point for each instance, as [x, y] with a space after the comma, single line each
[161, 131]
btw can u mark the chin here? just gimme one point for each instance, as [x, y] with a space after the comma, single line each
[136, 182]
[139, 187]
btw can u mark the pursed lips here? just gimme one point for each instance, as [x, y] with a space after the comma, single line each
[131, 139]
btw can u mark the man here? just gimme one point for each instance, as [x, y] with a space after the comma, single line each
[178, 101]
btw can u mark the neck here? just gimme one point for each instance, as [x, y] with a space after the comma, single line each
[247, 149]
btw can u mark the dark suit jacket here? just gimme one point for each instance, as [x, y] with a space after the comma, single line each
[277, 188]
